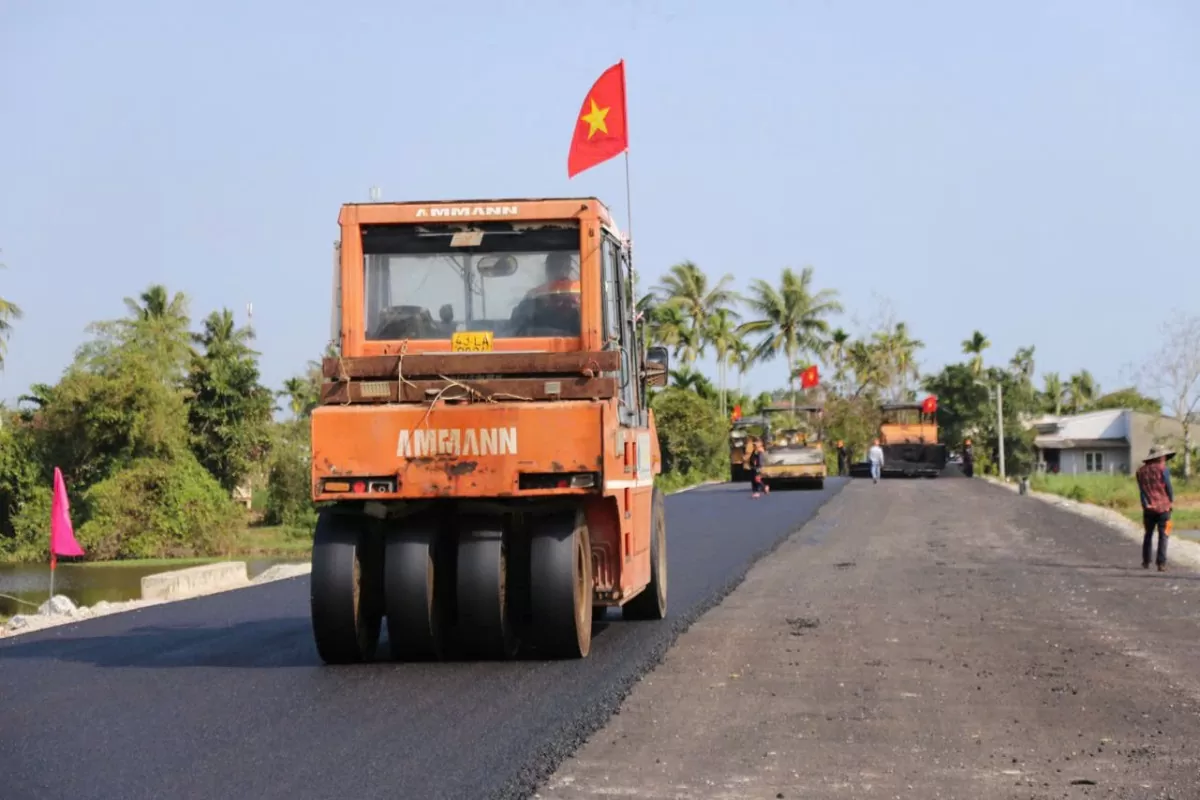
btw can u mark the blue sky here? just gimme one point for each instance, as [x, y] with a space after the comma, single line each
[1029, 170]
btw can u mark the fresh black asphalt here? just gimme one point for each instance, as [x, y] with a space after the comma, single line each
[224, 696]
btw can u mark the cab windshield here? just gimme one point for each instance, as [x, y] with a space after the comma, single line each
[511, 279]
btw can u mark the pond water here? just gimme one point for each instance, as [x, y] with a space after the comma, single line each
[88, 584]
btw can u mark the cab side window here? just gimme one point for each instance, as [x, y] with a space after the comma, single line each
[629, 344]
[612, 299]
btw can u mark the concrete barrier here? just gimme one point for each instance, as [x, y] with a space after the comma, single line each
[194, 581]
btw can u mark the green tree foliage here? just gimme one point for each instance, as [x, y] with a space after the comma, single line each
[974, 349]
[289, 486]
[1130, 398]
[692, 434]
[228, 410]
[159, 508]
[791, 319]
[146, 431]
[853, 420]
[967, 408]
[107, 413]
[19, 482]
[9, 312]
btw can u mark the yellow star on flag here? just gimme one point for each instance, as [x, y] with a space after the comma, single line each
[595, 119]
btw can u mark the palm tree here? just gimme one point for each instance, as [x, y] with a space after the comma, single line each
[974, 348]
[835, 354]
[9, 313]
[1082, 390]
[687, 288]
[741, 358]
[692, 380]
[721, 333]
[161, 322]
[790, 319]
[898, 351]
[1053, 392]
[666, 325]
[298, 391]
[866, 361]
[221, 331]
[1022, 364]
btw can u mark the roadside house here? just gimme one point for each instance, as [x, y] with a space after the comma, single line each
[1111, 441]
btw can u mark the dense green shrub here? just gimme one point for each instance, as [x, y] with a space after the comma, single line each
[159, 508]
[30, 526]
[289, 482]
[691, 433]
[19, 478]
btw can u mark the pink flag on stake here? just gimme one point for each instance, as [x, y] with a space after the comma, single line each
[62, 535]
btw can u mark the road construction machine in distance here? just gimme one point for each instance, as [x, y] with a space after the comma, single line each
[794, 451]
[742, 434]
[484, 454]
[908, 436]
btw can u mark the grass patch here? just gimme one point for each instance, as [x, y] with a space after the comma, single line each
[175, 563]
[274, 540]
[1120, 493]
[256, 541]
[674, 481]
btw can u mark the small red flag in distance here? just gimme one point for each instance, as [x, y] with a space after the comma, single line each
[810, 377]
[600, 128]
[929, 404]
[737, 413]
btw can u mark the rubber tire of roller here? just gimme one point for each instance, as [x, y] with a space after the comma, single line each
[486, 628]
[415, 584]
[651, 603]
[562, 590]
[345, 590]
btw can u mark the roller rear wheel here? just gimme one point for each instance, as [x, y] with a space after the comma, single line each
[486, 626]
[651, 604]
[345, 590]
[561, 585]
[415, 584]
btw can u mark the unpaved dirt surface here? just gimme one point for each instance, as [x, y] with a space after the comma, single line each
[922, 639]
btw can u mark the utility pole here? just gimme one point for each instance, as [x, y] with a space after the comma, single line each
[999, 419]
[1000, 424]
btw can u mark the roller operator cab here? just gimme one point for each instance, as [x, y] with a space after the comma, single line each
[483, 453]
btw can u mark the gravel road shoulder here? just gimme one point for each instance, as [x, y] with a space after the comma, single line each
[932, 639]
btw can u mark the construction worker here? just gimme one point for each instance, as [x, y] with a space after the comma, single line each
[875, 459]
[559, 279]
[757, 461]
[1158, 496]
[843, 457]
[968, 458]
[553, 305]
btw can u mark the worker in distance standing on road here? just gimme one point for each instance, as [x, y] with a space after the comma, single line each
[843, 457]
[1154, 485]
[757, 459]
[875, 457]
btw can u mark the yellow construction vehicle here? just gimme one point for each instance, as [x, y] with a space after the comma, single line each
[795, 453]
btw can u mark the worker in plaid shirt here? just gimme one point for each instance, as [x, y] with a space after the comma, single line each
[1154, 485]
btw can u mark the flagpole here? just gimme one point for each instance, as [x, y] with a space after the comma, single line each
[628, 202]
[628, 189]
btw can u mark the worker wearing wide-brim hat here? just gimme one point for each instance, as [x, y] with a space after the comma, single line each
[1158, 497]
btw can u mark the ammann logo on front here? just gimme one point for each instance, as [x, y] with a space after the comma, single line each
[468, 211]
[429, 442]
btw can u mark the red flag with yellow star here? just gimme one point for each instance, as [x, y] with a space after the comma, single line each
[600, 130]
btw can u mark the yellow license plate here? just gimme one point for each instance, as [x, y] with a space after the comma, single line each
[471, 342]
